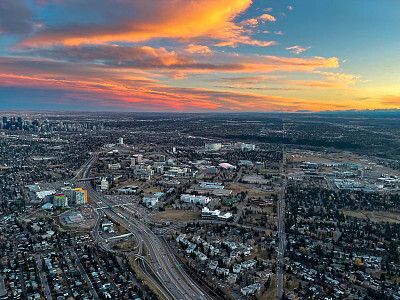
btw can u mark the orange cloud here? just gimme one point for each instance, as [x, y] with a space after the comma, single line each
[148, 95]
[339, 77]
[253, 22]
[191, 48]
[147, 58]
[297, 49]
[391, 100]
[333, 81]
[267, 17]
[154, 19]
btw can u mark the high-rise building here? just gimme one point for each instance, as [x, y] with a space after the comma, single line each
[121, 141]
[79, 196]
[60, 201]
[4, 120]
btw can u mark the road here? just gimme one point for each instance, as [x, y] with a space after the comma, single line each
[85, 275]
[3, 291]
[175, 280]
[43, 278]
[281, 235]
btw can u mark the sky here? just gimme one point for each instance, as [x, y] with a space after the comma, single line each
[200, 55]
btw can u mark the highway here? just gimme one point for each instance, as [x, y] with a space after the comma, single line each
[176, 282]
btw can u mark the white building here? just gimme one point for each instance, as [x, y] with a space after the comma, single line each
[211, 185]
[121, 141]
[150, 200]
[212, 146]
[104, 184]
[247, 147]
[215, 214]
[116, 166]
[203, 200]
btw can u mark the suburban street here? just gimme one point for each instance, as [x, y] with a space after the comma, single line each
[43, 279]
[85, 275]
[281, 234]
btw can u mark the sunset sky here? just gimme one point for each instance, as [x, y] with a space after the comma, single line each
[200, 55]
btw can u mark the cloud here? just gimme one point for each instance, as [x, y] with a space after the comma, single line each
[339, 78]
[267, 17]
[191, 48]
[157, 96]
[192, 59]
[278, 32]
[290, 7]
[297, 49]
[333, 81]
[138, 21]
[391, 100]
[101, 85]
[253, 22]
[15, 17]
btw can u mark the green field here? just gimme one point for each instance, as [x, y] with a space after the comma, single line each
[184, 216]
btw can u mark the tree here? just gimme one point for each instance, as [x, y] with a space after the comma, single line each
[357, 262]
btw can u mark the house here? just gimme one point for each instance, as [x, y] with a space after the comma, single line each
[251, 289]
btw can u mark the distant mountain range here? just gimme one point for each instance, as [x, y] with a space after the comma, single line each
[362, 111]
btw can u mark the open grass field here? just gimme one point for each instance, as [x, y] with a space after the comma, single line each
[258, 194]
[121, 229]
[240, 187]
[184, 216]
[152, 190]
[130, 182]
[125, 245]
[268, 171]
[375, 216]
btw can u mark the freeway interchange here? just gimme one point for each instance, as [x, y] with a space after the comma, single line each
[172, 281]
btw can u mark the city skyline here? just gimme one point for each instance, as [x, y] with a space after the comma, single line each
[199, 56]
